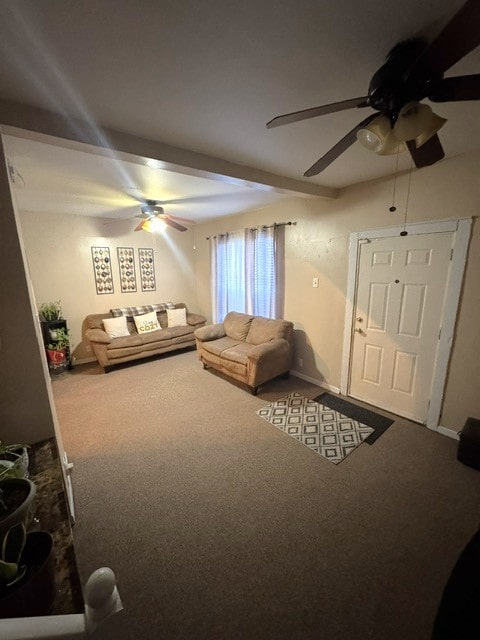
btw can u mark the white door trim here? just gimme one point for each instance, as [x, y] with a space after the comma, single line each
[461, 228]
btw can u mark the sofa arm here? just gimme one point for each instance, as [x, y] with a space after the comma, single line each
[268, 360]
[211, 332]
[97, 335]
[195, 318]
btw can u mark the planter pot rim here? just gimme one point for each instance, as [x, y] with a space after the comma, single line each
[17, 515]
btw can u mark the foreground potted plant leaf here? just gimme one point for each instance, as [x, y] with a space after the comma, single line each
[27, 573]
[13, 461]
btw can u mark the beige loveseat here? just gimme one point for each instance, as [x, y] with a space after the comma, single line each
[112, 351]
[250, 349]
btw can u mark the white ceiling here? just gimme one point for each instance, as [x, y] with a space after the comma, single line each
[208, 76]
[48, 178]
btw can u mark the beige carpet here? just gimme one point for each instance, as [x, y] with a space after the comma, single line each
[221, 527]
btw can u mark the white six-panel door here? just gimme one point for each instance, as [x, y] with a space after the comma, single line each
[400, 297]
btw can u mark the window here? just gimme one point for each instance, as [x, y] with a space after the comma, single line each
[247, 272]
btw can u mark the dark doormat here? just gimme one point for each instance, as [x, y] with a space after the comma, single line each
[372, 419]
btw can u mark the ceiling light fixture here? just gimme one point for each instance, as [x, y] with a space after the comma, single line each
[379, 137]
[154, 225]
[417, 122]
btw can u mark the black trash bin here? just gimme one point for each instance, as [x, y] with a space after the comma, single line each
[469, 445]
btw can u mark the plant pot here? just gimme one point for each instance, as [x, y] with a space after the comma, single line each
[18, 494]
[34, 594]
[57, 360]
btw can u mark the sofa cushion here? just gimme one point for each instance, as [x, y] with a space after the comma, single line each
[155, 336]
[217, 347]
[265, 329]
[237, 325]
[122, 343]
[176, 332]
[238, 353]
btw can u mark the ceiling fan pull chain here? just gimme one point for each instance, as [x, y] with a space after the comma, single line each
[405, 232]
[393, 208]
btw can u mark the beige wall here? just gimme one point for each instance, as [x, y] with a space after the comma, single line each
[58, 249]
[318, 246]
[25, 412]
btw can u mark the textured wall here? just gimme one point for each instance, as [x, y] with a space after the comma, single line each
[318, 246]
[59, 255]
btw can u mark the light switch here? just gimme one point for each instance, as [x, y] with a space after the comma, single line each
[315, 282]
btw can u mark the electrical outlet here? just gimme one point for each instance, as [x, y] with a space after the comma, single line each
[315, 282]
[300, 362]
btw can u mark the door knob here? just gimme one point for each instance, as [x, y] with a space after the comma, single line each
[359, 319]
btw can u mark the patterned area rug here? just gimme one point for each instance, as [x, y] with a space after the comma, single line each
[379, 423]
[324, 430]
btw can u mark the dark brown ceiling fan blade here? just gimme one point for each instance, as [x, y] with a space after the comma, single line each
[139, 225]
[338, 149]
[455, 89]
[428, 154]
[296, 116]
[459, 36]
[173, 224]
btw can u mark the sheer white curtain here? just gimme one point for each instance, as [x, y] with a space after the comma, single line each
[228, 273]
[248, 272]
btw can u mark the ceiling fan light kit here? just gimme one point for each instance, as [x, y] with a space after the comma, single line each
[413, 71]
[155, 220]
[417, 122]
[379, 137]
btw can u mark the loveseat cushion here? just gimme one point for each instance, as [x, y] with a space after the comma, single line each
[217, 347]
[238, 353]
[237, 325]
[265, 329]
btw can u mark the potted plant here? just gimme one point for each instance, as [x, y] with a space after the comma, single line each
[27, 573]
[13, 461]
[16, 500]
[57, 351]
[51, 311]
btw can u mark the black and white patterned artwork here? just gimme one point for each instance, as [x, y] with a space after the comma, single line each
[102, 270]
[147, 269]
[126, 266]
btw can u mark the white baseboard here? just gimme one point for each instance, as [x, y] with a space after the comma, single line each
[450, 433]
[319, 383]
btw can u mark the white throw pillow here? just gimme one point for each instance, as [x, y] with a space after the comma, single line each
[116, 327]
[176, 317]
[147, 322]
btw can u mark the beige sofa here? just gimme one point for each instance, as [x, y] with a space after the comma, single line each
[250, 349]
[112, 351]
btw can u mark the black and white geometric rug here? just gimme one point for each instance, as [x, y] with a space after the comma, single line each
[324, 430]
[378, 422]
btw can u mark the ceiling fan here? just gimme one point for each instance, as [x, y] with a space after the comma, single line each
[413, 71]
[154, 218]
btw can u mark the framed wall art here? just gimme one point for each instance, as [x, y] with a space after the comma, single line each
[147, 269]
[126, 266]
[102, 270]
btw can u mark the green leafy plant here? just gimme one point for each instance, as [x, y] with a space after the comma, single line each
[13, 544]
[13, 461]
[51, 310]
[62, 341]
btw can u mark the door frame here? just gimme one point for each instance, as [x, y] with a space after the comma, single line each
[461, 228]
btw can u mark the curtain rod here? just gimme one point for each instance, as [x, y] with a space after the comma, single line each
[264, 226]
